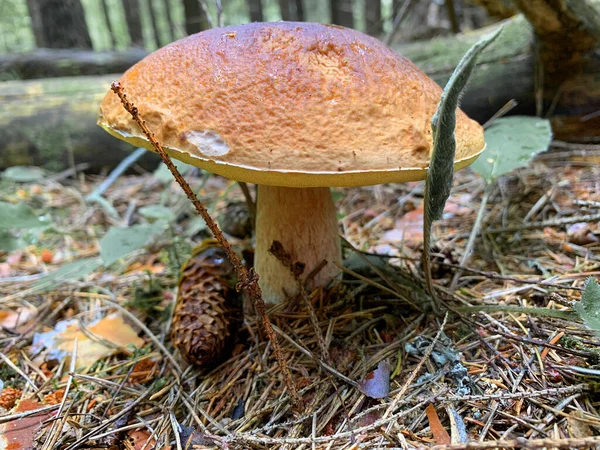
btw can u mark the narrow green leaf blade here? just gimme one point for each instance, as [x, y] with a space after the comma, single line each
[443, 124]
[512, 142]
[588, 307]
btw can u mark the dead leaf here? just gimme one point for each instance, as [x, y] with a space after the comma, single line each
[100, 339]
[377, 382]
[138, 439]
[11, 319]
[440, 434]
[408, 229]
[19, 434]
[578, 429]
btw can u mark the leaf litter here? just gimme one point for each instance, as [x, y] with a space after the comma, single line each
[526, 379]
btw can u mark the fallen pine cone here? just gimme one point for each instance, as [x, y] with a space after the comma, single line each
[206, 311]
[9, 396]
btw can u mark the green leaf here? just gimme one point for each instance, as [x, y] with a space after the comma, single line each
[157, 212]
[588, 307]
[511, 142]
[9, 242]
[118, 242]
[443, 124]
[164, 175]
[20, 216]
[23, 174]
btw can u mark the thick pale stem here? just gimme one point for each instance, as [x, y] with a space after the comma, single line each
[304, 221]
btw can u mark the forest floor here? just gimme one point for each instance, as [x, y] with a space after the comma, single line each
[491, 369]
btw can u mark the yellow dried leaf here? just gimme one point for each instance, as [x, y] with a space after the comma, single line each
[98, 340]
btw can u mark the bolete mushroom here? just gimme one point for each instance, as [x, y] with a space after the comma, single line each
[295, 108]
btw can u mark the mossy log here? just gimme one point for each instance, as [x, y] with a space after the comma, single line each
[50, 122]
[55, 63]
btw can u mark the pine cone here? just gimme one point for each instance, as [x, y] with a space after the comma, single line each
[205, 312]
[9, 396]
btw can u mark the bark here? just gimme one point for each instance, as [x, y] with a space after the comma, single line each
[169, 19]
[59, 24]
[45, 122]
[134, 23]
[373, 17]
[291, 10]
[566, 31]
[299, 10]
[111, 35]
[153, 21]
[501, 9]
[195, 17]
[44, 63]
[284, 8]
[341, 13]
[255, 10]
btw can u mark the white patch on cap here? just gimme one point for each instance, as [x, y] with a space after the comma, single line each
[208, 142]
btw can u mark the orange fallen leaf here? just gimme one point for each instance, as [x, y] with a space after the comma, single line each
[440, 434]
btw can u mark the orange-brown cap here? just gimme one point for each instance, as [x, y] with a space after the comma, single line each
[288, 104]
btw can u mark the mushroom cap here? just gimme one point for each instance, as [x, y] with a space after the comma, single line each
[288, 104]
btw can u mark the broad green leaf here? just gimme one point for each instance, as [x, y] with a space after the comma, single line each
[20, 216]
[118, 242]
[157, 212]
[23, 174]
[15, 239]
[443, 124]
[588, 307]
[72, 271]
[511, 142]
[164, 175]
[9, 242]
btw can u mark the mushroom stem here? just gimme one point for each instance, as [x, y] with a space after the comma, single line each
[304, 221]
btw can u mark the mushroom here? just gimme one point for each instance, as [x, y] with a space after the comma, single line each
[295, 108]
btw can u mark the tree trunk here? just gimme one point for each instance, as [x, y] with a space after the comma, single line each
[134, 23]
[341, 13]
[284, 8]
[153, 21]
[298, 10]
[169, 20]
[255, 10]
[109, 28]
[373, 17]
[291, 10]
[568, 33]
[59, 24]
[195, 17]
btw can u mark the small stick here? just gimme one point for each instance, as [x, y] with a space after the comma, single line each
[247, 279]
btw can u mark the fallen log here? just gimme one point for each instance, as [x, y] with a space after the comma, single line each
[54, 63]
[49, 122]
